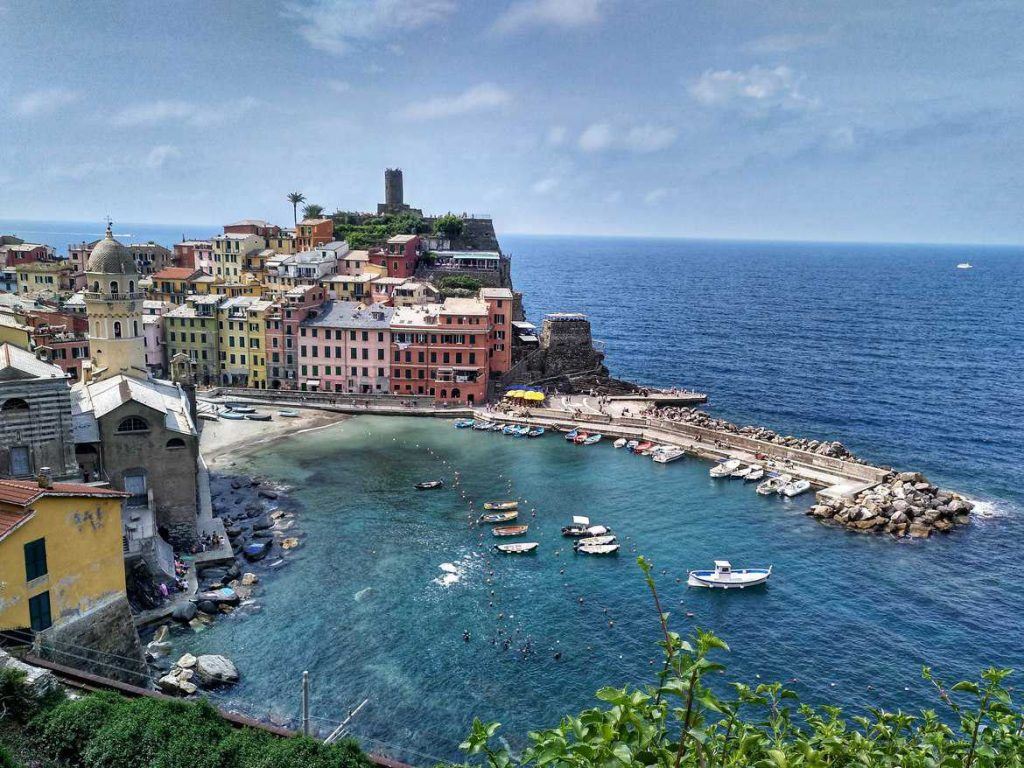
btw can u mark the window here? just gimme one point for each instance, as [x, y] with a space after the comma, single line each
[14, 404]
[35, 559]
[39, 612]
[175, 442]
[117, 329]
[132, 424]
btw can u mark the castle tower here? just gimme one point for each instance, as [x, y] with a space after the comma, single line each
[393, 193]
[113, 304]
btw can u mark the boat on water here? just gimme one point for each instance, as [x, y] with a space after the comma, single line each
[571, 434]
[242, 408]
[593, 439]
[258, 416]
[429, 485]
[500, 506]
[232, 416]
[483, 426]
[509, 530]
[509, 429]
[965, 265]
[597, 549]
[288, 413]
[209, 415]
[578, 526]
[756, 473]
[499, 517]
[741, 471]
[725, 468]
[536, 432]
[580, 437]
[631, 445]
[795, 488]
[497, 427]
[724, 577]
[518, 547]
[643, 447]
[596, 541]
[667, 453]
[620, 443]
[521, 431]
[774, 484]
[464, 423]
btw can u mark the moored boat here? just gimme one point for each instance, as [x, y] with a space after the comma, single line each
[597, 549]
[483, 426]
[578, 526]
[258, 416]
[631, 445]
[509, 429]
[509, 530]
[500, 506]
[741, 471]
[536, 432]
[643, 447]
[242, 408]
[571, 434]
[965, 265]
[209, 415]
[667, 453]
[232, 416]
[596, 541]
[580, 437]
[464, 423]
[288, 413]
[499, 517]
[724, 577]
[724, 468]
[518, 547]
[795, 488]
[620, 443]
[774, 484]
[756, 473]
[593, 439]
[429, 485]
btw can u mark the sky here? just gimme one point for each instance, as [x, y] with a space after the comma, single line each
[817, 120]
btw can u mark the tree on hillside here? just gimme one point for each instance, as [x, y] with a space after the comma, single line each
[295, 198]
[312, 211]
[449, 225]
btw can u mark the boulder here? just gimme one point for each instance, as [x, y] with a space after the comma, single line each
[910, 477]
[169, 684]
[184, 612]
[249, 579]
[216, 670]
[920, 530]
[187, 661]
[261, 523]
[38, 682]
[266, 494]
[898, 517]
[236, 484]
[943, 525]
[207, 606]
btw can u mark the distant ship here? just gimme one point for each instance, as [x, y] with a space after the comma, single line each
[965, 265]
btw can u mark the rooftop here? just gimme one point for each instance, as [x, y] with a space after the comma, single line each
[90, 402]
[176, 273]
[22, 493]
[352, 314]
[314, 222]
[248, 223]
[458, 306]
[18, 359]
[402, 239]
[495, 293]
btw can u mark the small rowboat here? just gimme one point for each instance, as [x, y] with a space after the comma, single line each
[795, 488]
[571, 435]
[620, 443]
[578, 527]
[535, 432]
[724, 577]
[464, 423]
[596, 541]
[592, 439]
[741, 471]
[580, 437]
[429, 485]
[642, 448]
[500, 506]
[509, 530]
[774, 484]
[725, 468]
[499, 517]
[258, 416]
[509, 429]
[631, 445]
[756, 473]
[483, 426]
[289, 413]
[598, 549]
[497, 427]
[518, 548]
[232, 416]
[242, 408]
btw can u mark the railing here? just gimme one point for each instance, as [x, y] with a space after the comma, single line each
[134, 296]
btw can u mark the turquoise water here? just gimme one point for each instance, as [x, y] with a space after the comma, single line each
[847, 617]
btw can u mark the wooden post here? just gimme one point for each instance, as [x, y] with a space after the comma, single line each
[305, 703]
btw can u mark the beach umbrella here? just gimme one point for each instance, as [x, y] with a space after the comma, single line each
[535, 396]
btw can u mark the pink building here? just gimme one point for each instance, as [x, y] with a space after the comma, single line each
[194, 254]
[282, 333]
[400, 255]
[16, 254]
[499, 307]
[346, 347]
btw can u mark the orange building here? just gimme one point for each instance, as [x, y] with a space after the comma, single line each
[310, 233]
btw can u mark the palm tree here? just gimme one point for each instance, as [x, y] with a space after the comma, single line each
[295, 198]
[312, 211]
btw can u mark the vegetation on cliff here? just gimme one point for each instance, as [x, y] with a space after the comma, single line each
[362, 232]
[684, 721]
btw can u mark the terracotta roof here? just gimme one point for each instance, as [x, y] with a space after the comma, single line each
[24, 492]
[11, 520]
[175, 273]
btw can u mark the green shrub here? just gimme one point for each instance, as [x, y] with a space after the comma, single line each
[16, 699]
[459, 283]
[64, 731]
[449, 225]
[256, 749]
[6, 760]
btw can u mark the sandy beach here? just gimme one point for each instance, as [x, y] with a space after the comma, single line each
[224, 441]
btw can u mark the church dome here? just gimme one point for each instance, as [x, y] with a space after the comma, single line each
[109, 257]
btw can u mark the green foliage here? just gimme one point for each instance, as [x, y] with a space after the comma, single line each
[64, 731]
[362, 232]
[312, 211]
[6, 759]
[458, 283]
[449, 225]
[680, 721]
[16, 701]
[253, 749]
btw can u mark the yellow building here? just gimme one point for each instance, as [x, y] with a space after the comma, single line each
[60, 552]
[230, 252]
[14, 330]
[241, 323]
[44, 278]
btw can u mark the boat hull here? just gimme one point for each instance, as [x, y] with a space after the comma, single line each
[743, 579]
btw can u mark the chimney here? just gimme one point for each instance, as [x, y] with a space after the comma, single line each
[45, 477]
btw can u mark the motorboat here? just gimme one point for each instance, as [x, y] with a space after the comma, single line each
[620, 443]
[631, 445]
[500, 506]
[595, 541]
[965, 265]
[429, 485]
[597, 549]
[741, 471]
[571, 434]
[209, 416]
[509, 530]
[521, 431]
[483, 426]
[536, 432]
[518, 547]
[464, 423]
[232, 416]
[667, 453]
[725, 468]
[724, 577]
[579, 531]
[774, 484]
[509, 429]
[756, 473]
[795, 488]
[288, 413]
[580, 437]
[643, 447]
[497, 427]
[499, 517]
[242, 408]
[258, 416]
[578, 526]
[593, 439]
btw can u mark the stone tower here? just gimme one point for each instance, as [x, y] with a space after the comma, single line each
[393, 193]
[113, 304]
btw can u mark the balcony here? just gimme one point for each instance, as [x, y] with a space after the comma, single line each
[135, 296]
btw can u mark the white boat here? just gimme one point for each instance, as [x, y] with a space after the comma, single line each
[741, 471]
[578, 527]
[965, 265]
[620, 443]
[724, 577]
[599, 549]
[483, 426]
[592, 439]
[725, 468]
[518, 548]
[631, 445]
[597, 530]
[774, 484]
[667, 453]
[596, 541]
[795, 488]
[756, 473]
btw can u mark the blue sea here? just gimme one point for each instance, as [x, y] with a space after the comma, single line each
[888, 348]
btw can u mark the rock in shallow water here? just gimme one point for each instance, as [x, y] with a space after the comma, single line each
[216, 670]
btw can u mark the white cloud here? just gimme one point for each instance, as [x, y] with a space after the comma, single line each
[333, 25]
[45, 102]
[545, 186]
[478, 98]
[757, 87]
[655, 196]
[596, 138]
[547, 14]
[173, 110]
[640, 139]
[160, 154]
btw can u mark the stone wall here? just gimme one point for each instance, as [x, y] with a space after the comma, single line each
[489, 278]
[101, 641]
[568, 346]
[45, 428]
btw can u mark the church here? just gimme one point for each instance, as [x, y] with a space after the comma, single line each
[135, 432]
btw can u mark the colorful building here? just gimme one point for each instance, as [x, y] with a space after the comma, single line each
[192, 328]
[499, 307]
[282, 333]
[230, 251]
[346, 347]
[174, 284]
[194, 254]
[241, 323]
[16, 254]
[350, 287]
[49, 279]
[309, 233]
[400, 255]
